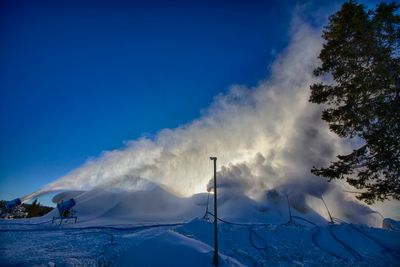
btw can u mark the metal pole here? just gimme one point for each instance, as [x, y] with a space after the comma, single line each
[290, 211]
[215, 213]
[330, 216]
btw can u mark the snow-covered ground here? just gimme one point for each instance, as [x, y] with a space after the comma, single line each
[156, 228]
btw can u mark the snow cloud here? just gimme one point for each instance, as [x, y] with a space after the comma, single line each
[271, 127]
[265, 137]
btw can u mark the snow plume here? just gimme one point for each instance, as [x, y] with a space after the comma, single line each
[268, 136]
[272, 122]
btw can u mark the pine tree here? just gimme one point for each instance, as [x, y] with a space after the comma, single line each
[362, 56]
[34, 209]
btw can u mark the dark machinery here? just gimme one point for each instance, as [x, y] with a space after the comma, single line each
[65, 210]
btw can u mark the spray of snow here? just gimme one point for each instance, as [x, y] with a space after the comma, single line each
[266, 137]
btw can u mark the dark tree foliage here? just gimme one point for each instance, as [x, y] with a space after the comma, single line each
[33, 210]
[36, 209]
[362, 55]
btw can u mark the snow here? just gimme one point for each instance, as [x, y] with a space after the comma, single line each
[157, 228]
[391, 224]
[172, 248]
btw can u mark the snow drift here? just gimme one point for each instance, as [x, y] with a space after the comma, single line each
[154, 206]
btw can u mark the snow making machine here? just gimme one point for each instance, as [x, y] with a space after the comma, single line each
[10, 205]
[65, 211]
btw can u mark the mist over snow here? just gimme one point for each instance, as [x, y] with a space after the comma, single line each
[265, 137]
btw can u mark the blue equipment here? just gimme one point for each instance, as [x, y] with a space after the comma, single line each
[65, 210]
[65, 206]
[13, 203]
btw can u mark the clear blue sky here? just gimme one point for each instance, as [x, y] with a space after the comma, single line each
[80, 77]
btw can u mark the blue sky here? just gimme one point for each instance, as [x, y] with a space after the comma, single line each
[79, 77]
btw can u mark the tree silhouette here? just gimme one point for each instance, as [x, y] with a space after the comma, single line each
[362, 56]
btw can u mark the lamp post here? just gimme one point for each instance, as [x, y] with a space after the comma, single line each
[215, 213]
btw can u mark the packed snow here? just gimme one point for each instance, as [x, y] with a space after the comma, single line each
[157, 228]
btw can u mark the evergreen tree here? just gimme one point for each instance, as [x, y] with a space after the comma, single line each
[362, 56]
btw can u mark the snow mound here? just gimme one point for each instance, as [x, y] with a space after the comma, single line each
[391, 224]
[173, 249]
[157, 205]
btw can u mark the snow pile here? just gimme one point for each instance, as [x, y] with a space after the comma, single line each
[172, 249]
[102, 206]
[105, 206]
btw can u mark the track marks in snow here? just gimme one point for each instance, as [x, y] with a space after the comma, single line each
[287, 244]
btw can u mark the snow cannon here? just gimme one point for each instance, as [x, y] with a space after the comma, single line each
[65, 210]
[13, 203]
[65, 207]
